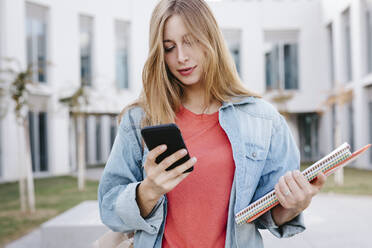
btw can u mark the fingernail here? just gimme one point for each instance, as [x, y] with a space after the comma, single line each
[193, 159]
[183, 151]
[163, 147]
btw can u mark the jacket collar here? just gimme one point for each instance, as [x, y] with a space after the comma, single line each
[239, 100]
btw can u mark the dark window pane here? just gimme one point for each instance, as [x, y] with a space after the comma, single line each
[236, 56]
[275, 70]
[122, 69]
[98, 139]
[86, 139]
[86, 44]
[36, 41]
[269, 82]
[43, 142]
[333, 126]
[347, 44]
[308, 130]
[290, 66]
[272, 69]
[31, 125]
[330, 54]
[369, 38]
[112, 131]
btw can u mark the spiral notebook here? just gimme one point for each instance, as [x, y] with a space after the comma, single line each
[329, 164]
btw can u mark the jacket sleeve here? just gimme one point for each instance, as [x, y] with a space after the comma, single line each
[283, 156]
[117, 188]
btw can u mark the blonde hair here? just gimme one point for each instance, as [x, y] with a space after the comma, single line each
[162, 92]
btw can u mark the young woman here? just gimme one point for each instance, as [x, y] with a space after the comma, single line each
[241, 147]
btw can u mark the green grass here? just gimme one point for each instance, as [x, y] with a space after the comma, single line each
[356, 182]
[53, 196]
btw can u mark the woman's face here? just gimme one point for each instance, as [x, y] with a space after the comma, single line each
[184, 58]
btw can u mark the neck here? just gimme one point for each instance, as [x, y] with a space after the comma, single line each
[194, 100]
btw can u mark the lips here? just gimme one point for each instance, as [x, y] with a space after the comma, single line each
[186, 71]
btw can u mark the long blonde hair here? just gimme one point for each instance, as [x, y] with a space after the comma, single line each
[162, 93]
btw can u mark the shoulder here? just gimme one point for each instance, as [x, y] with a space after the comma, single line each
[131, 118]
[259, 108]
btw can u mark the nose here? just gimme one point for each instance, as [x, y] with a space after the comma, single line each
[182, 56]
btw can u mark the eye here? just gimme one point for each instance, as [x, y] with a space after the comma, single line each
[168, 49]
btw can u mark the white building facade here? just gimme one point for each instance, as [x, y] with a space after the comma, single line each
[297, 54]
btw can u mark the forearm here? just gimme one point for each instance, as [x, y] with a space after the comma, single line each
[281, 215]
[146, 201]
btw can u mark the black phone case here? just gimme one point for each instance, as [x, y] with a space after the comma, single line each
[170, 135]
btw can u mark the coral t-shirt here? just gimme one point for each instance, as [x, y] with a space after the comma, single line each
[198, 206]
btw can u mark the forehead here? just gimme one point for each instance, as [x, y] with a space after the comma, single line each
[174, 29]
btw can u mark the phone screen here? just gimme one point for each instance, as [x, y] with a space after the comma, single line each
[170, 135]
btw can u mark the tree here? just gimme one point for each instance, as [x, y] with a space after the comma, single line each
[16, 86]
[76, 103]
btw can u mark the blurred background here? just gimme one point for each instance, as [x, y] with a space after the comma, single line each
[67, 68]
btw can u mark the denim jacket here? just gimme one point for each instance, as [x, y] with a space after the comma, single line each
[263, 150]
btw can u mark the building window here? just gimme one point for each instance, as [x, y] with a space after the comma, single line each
[87, 139]
[122, 30]
[308, 125]
[369, 34]
[281, 66]
[281, 59]
[36, 41]
[98, 139]
[113, 130]
[347, 45]
[233, 40]
[331, 54]
[333, 128]
[86, 50]
[38, 130]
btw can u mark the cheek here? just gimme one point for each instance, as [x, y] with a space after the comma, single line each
[170, 62]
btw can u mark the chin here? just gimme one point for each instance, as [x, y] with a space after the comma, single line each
[189, 83]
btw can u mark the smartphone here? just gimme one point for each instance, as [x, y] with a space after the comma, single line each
[170, 135]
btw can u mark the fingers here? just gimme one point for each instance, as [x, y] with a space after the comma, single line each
[303, 183]
[283, 187]
[154, 153]
[290, 192]
[280, 196]
[292, 185]
[168, 161]
[181, 168]
[295, 192]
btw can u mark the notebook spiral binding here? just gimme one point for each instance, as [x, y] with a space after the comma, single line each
[326, 165]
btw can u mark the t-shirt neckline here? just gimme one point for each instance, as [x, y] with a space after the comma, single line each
[185, 111]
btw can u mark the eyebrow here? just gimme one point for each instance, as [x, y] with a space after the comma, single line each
[184, 36]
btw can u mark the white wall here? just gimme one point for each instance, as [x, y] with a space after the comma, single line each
[252, 18]
[332, 12]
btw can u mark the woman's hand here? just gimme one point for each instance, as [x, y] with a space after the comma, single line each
[158, 180]
[294, 193]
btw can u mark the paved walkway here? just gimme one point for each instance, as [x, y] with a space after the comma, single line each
[332, 221]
